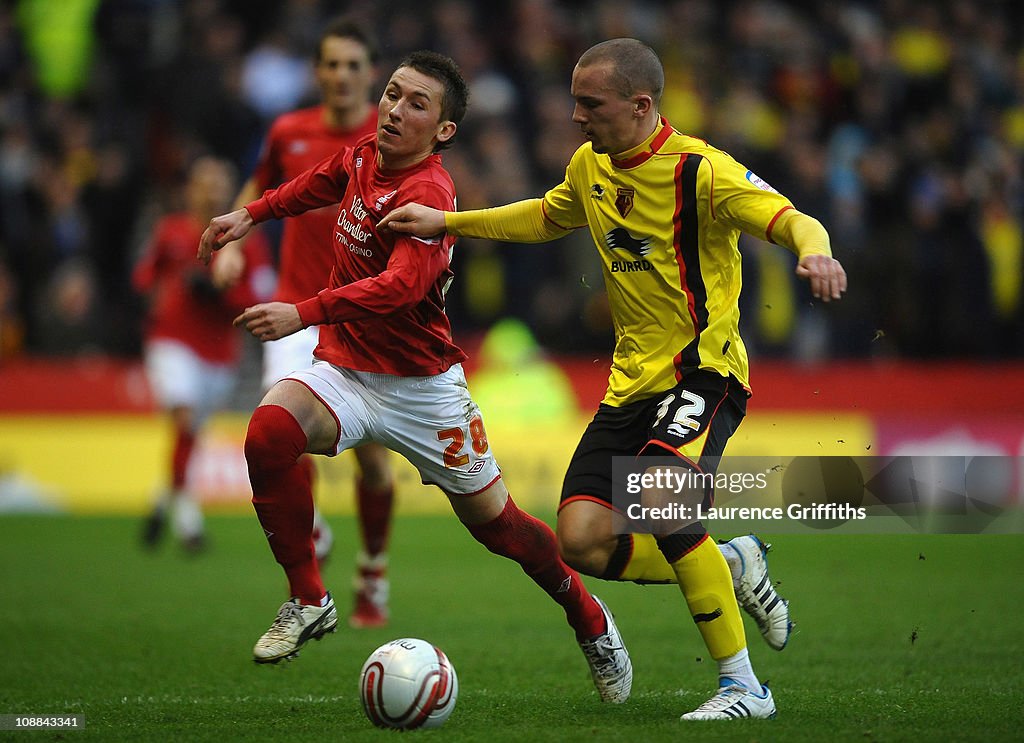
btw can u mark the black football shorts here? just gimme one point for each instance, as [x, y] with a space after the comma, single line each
[693, 421]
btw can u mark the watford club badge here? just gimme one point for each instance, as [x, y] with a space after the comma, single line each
[624, 201]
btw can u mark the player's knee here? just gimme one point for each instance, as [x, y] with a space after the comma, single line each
[274, 439]
[580, 552]
[374, 469]
[585, 539]
[376, 476]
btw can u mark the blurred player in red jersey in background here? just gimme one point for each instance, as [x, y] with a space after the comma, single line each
[191, 349]
[388, 370]
[345, 73]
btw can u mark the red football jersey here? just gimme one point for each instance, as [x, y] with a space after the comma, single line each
[184, 305]
[295, 143]
[383, 310]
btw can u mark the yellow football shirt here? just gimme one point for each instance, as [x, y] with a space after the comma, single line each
[666, 218]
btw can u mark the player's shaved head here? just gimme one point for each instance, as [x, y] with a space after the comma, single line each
[635, 67]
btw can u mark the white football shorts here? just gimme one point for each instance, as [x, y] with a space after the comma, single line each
[431, 421]
[179, 377]
[288, 354]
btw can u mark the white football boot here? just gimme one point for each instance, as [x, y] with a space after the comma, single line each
[754, 590]
[610, 666]
[733, 701]
[294, 625]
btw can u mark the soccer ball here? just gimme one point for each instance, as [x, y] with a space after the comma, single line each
[408, 684]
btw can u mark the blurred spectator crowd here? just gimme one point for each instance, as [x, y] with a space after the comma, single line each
[899, 124]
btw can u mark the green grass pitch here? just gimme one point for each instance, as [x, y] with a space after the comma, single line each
[898, 638]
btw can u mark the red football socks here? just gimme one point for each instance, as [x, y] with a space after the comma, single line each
[519, 536]
[184, 443]
[283, 497]
[374, 516]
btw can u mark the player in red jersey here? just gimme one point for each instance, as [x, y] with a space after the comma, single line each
[191, 350]
[387, 368]
[345, 72]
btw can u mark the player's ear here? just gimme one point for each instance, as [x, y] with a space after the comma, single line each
[642, 105]
[446, 130]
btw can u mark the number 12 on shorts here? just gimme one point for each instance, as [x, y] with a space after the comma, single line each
[454, 454]
[686, 417]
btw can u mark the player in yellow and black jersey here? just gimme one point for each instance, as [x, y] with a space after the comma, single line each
[665, 211]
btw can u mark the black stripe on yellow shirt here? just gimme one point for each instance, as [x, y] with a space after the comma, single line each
[687, 244]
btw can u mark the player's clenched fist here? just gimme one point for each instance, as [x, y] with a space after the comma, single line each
[270, 321]
[222, 230]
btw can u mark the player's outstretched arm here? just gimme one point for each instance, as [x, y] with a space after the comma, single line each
[521, 222]
[222, 230]
[415, 219]
[826, 275]
[270, 321]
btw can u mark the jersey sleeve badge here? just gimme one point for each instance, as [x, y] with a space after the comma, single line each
[759, 182]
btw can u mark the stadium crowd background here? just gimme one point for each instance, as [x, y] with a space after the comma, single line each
[899, 124]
